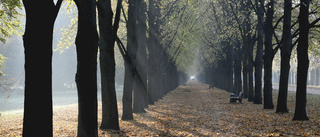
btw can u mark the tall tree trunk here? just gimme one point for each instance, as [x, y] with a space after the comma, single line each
[245, 72]
[37, 41]
[108, 34]
[226, 70]
[259, 54]
[153, 48]
[285, 59]
[130, 67]
[86, 77]
[249, 53]
[268, 58]
[237, 69]
[245, 47]
[161, 69]
[303, 62]
[140, 81]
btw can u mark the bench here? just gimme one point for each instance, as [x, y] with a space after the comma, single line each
[211, 86]
[234, 98]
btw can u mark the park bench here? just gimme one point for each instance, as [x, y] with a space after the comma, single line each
[234, 98]
[211, 86]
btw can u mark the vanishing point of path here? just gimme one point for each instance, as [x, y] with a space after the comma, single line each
[192, 110]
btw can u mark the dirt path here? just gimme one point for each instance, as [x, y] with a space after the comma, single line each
[192, 110]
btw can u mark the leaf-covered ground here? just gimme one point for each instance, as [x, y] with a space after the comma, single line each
[192, 110]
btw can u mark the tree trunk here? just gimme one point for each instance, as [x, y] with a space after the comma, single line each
[140, 81]
[237, 69]
[285, 59]
[130, 67]
[226, 71]
[303, 62]
[86, 76]
[268, 58]
[259, 54]
[37, 41]
[245, 72]
[108, 34]
[153, 48]
[249, 55]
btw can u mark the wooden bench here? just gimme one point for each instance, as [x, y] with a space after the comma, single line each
[234, 98]
[211, 86]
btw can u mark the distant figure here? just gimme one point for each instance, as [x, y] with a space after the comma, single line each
[211, 86]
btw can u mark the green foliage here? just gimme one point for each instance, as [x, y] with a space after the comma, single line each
[68, 32]
[182, 24]
[2, 58]
[196, 33]
[9, 22]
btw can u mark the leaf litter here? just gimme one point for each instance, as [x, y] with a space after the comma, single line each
[191, 110]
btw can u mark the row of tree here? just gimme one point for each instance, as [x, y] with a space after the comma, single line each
[248, 35]
[149, 74]
[165, 41]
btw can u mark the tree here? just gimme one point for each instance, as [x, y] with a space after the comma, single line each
[86, 76]
[303, 62]
[108, 34]
[259, 53]
[153, 48]
[140, 80]
[37, 41]
[285, 58]
[130, 66]
[237, 68]
[268, 58]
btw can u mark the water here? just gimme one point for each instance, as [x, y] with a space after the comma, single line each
[14, 102]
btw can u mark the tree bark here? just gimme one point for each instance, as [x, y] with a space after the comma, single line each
[140, 81]
[259, 54]
[249, 54]
[130, 67]
[108, 33]
[285, 59]
[153, 56]
[86, 76]
[268, 58]
[37, 41]
[303, 62]
[237, 69]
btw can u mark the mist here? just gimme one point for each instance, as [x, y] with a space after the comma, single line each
[64, 65]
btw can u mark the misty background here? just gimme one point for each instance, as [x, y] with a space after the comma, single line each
[64, 66]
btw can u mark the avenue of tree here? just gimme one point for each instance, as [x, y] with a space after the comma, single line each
[230, 44]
